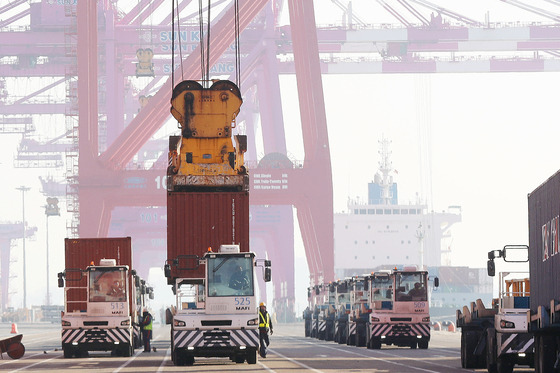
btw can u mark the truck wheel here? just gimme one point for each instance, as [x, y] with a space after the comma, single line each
[413, 345]
[423, 344]
[239, 359]
[80, 352]
[490, 349]
[343, 336]
[505, 364]
[126, 351]
[16, 350]
[545, 353]
[252, 357]
[358, 337]
[375, 343]
[67, 352]
[189, 360]
[179, 359]
[469, 340]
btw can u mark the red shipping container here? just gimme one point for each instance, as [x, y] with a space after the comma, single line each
[199, 220]
[80, 253]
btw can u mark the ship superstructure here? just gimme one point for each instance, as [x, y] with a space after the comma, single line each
[383, 232]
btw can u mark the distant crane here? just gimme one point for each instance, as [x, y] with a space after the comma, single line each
[8, 233]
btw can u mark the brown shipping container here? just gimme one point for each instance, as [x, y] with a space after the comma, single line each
[544, 237]
[80, 252]
[198, 220]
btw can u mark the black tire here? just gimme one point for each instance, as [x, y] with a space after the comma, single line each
[239, 359]
[413, 345]
[252, 357]
[504, 364]
[67, 352]
[127, 351]
[491, 365]
[469, 340]
[545, 354]
[362, 340]
[189, 360]
[423, 344]
[342, 334]
[180, 359]
[375, 343]
[307, 328]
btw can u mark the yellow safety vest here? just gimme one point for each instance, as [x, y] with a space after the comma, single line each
[148, 326]
[266, 322]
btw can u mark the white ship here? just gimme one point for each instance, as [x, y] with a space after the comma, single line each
[383, 234]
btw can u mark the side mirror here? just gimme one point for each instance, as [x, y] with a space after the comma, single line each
[436, 282]
[60, 280]
[267, 274]
[167, 271]
[137, 281]
[366, 285]
[317, 292]
[151, 296]
[491, 268]
[516, 253]
[168, 316]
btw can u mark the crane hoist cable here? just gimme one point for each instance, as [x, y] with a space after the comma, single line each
[237, 47]
[175, 9]
[204, 49]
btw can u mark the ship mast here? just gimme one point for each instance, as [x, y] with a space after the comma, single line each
[383, 176]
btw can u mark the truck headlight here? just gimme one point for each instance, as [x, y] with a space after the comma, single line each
[66, 323]
[426, 319]
[506, 324]
[374, 319]
[178, 323]
[254, 321]
[125, 322]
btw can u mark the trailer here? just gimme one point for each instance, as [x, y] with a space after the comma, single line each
[544, 268]
[12, 346]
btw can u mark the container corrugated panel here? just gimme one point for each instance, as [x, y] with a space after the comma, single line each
[544, 237]
[198, 220]
[80, 252]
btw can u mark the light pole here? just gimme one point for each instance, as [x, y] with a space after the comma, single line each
[23, 190]
[51, 209]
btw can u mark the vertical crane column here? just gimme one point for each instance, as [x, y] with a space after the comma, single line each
[315, 209]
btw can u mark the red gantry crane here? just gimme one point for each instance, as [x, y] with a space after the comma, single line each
[105, 73]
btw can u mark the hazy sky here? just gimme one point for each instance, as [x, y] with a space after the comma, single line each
[493, 138]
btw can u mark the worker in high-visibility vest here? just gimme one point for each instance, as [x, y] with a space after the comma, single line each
[146, 326]
[265, 324]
